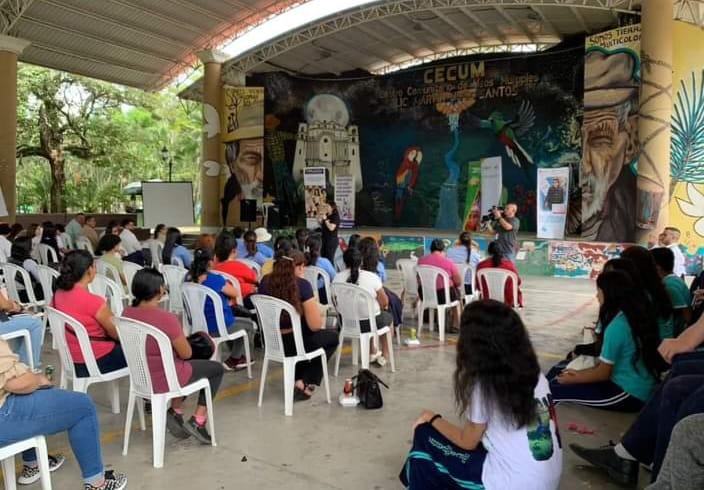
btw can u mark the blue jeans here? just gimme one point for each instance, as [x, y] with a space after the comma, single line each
[36, 334]
[50, 411]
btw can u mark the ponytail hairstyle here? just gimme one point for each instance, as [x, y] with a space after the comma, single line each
[173, 238]
[107, 243]
[250, 243]
[313, 244]
[651, 281]
[354, 240]
[282, 281]
[284, 244]
[353, 261]
[201, 263]
[496, 256]
[370, 254]
[466, 240]
[146, 285]
[73, 267]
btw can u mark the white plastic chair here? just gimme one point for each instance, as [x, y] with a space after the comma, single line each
[177, 261]
[3, 257]
[355, 305]
[47, 254]
[26, 338]
[47, 275]
[68, 241]
[133, 337]
[131, 270]
[254, 266]
[12, 273]
[234, 282]
[7, 456]
[59, 321]
[469, 276]
[428, 281]
[194, 299]
[82, 243]
[495, 280]
[340, 263]
[312, 274]
[174, 276]
[156, 248]
[269, 312]
[107, 269]
[110, 290]
[410, 282]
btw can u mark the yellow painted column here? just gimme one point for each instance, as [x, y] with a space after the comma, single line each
[10, 49]
[654, 118]
[211, 155]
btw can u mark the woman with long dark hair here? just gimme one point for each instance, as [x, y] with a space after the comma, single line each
[148, 289]
[371, 262]
[72, 297]
[201, 273]
[370, 282]
[510, 436]
[283, 244]
[287, 283]
[302, 235]
[173, 247]
[629, 364]
[497, 260]
[329, 226]
[313, 257]
[49, 234]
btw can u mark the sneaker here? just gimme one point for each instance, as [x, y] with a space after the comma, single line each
[198, 431]
[174, 422]
[30, 474]
[242, 363]
[113, 481]
[380, 361]
[622, 471]
[374, 357]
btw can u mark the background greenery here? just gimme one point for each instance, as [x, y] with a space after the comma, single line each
[80, 141]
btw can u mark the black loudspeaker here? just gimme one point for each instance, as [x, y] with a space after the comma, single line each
[248, 210]
[273, 218]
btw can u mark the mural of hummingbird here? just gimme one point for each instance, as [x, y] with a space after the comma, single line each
[508, 131]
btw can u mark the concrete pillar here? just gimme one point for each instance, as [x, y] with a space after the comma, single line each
[655, 118]
[10, 49]
[211, 152]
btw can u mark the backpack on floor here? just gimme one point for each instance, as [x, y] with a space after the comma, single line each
[366, 385]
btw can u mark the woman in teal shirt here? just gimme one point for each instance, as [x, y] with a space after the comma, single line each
[626, 374]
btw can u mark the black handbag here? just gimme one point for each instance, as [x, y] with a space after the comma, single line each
[202, 346]
[366, 385]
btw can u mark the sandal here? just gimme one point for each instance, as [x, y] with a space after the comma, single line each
[300, 394]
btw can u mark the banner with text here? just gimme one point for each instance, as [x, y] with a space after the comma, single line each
[491, 183]
[344, 198]
[316, 194]
[553, 189]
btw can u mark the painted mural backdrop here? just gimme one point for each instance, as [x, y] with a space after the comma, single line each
[610, 136]
[687, 153]
[411, 136]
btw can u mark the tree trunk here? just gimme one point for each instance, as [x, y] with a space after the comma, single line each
[58, 180]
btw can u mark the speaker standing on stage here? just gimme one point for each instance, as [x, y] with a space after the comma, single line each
[506, 226]
[329, 224]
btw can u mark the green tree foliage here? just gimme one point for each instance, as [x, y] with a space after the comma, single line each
[80, 141]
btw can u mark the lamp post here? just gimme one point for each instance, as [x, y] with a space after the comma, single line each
[166, 157]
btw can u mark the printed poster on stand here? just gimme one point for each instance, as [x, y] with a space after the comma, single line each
[553, 190]
[316, 195]
[344, 198]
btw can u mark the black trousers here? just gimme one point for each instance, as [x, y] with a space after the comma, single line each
[213, 371]
[311, 372]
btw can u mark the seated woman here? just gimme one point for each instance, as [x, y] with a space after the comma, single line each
[35, 231]
[49, 234]
[73, 298]
[371, 283]
[462, 253]
[201, 274]
[21, 256]
[30, 406]
[226, 261]
[282, 244]
[148, 289]
[173, 247]
[497, 261]
[312, 253]
[509, 438]
[627, 371]
[371, 263]
[287, 283]
[437, 258]
[11, 321]
[109, 252]
[251, 251]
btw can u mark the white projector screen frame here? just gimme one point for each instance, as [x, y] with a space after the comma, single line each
[170, 203]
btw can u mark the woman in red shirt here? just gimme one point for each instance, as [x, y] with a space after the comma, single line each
[225, 261]
[498, 261]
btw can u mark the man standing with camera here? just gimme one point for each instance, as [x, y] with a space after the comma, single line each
[506, 226]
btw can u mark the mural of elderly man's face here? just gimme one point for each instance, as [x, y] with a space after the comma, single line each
[609, 142]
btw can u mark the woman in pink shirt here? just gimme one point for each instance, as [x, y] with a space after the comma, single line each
[148, 289]
[73, 298]
[497, 261]
[438, 258]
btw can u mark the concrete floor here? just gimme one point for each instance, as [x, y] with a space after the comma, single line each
[329, 447]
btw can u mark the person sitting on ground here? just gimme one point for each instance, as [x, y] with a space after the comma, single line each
[5, 243]
[680, 395]
[173, 247]
[251, 251]
[696, 290]
[654, 287]
[462, 253]
[302, 235]
[130, 244]
[148, 289]
[89, 233]
[201, 273]
[72, 297]
[682, 466]
[312, 253]
[287, 283]
[496, 260]
[371, 262]
[11, 320]
[21, 257]
[108, 251]
[49, 234]
[226, 261]
[437, 258]
[283, 244]
[30, 406]
[371, 283]
[676, 288]
[628, 368]
[509, 438]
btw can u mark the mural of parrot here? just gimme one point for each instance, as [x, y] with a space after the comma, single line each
[508, 131]
[406, 177]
